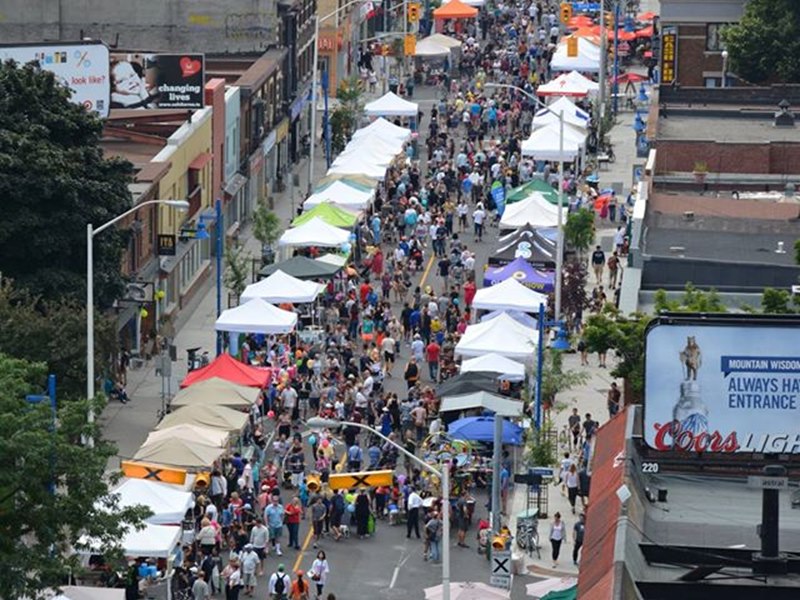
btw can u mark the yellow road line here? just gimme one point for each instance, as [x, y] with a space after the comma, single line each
[427, 271]
[305, 547]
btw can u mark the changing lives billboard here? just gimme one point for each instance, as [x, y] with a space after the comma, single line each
[723, 386]
[157, 80]
[81, 66]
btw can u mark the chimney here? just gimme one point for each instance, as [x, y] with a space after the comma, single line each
[784, 118]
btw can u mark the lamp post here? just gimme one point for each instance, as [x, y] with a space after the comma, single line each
[724, 68]
[561, 343]
[317, 21]
[91, 231]
[560, 223]
[443, 473]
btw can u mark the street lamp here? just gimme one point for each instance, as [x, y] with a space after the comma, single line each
[317, 21]
[442, 473]
[90, 233]
[560, 225]
[724, 67]
[560, 343]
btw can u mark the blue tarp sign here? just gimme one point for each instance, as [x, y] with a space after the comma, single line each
[499, 197]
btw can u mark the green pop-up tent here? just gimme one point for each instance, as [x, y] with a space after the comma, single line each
[536, 185]
[330, 213]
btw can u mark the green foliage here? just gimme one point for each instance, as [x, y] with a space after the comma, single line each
[555, 379]
[53, 332]
[266, 225]
[600, 332]
[579, 229]
[693, 300]
[764, 44]
[237, 269]
[53, 181]
[541, 446]
[344, 118]
[776, 302]
[39, 529]
[797, 251]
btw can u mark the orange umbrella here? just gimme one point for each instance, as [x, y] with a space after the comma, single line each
[579, 21]
[645, 32]
[455, 9]
[646, 16]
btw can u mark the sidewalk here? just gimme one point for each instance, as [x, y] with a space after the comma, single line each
[590, 397]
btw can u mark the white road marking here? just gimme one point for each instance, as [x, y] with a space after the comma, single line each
[396, 572]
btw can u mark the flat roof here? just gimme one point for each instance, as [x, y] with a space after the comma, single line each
[724, 128]
[723, 206]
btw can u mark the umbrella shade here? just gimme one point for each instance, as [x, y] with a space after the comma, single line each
[280, 288]
[214, 417]
[197, 433]
[177, 452]
[331, 213]
[631, 78]
[481, 429]
[302, 267]
[542, 589]
[218, 392]
[228, 368]
[467, 591]
[492, 362]
[468, 382]
[524, 272]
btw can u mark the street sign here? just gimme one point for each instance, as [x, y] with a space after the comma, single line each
[768, 483]
[501, 569]
[140, 470]
[585, 6]
[345, 481]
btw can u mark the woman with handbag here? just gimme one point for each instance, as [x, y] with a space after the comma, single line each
[319, 572]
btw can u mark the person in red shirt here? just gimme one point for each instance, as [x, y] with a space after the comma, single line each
[363, 292]
[377, 264]
[469, 292]
[293, 512]
[432, 356]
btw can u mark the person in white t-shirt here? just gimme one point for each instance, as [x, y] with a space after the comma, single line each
[478, 217]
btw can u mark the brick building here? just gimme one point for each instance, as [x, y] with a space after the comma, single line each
[691, 44]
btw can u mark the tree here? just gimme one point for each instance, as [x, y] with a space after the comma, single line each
[693, 300]
[574, 299]
[52, 487]
[53, 332]
[579, 229]
[555, 379]
[776, 302]
[344, 118]
[53, 181]
[266, 225]
[237, 272]
[764, 44]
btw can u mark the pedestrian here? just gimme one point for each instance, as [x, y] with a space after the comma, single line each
[461, 516]
[432, 533]
[566, 462]
[232, 575]
[478, 217]
[300, 588]
[411, 374]
[259, 536]
[250, 563]
[318, 514]
[413, 508]
[613, 269]
[557, 529]
[293, 514]
[279, 584]
[613, 399]
[584, 351]
[200, 590]
[319, 572]
[274, 516]
[577, 537]
[362, 513]
[575, 427]
[354, 457]
[598, 262]
[432, 352]
[571, 481]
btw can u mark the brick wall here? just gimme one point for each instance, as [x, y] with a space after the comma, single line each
[767, 158]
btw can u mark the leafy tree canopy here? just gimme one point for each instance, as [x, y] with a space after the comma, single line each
[53, 332]
[765, 43]
[579, 229]
[53, 181]
[40, 524]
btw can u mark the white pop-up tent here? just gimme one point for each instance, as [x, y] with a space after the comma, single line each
[569, 84]
[341, 194]
[281, 287]
[204, 435]
[545, 144]
[315, 232]
[373, 145]
[429, 48]
[391, 105]
[178, 452]
[509, 294]
[384, 129]
[216, 417]
[502, 335]
[577, 117]
[168, 503]
[358, 164]
[84, 592]
[154, 541]
[507, 369]
[445, 40]
[256, 316]
[535, 211]
[587, 60]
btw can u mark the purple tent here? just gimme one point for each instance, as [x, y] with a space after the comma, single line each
[521, 270]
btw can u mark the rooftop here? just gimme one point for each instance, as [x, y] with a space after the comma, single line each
[725, 206]
[724, 126]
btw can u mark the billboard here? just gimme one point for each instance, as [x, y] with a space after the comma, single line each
[157, 80]
[81, 66]
[723, 386]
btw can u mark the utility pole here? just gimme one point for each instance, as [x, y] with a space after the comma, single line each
[601, 97]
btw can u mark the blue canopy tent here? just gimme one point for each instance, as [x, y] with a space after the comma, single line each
[481, 429]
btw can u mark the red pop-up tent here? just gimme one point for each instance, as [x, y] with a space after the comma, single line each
[228, 368]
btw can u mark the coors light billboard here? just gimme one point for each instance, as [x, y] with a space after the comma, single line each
[723, 386]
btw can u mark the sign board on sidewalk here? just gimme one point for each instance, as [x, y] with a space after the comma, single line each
[501, 569]
[768, 483]
[343, 481]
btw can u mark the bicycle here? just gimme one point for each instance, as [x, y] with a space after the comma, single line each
[528, 536]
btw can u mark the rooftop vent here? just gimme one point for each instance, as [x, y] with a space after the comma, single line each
[780, 249]
[784, 117]
[688, 215]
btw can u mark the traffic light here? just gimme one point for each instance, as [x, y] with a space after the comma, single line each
[413, 12]
[572, 46]
[410, 45]
[566, 12]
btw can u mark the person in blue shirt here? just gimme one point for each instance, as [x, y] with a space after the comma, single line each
[273, 517]
[374, 453]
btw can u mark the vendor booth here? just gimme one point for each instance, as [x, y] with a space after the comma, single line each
[535, 211]
[509, 295]
[214, 417]
[391, 105]
[525, 273]
[502, 335]
[228, 368]
[280, 288]
[256, 316]
[218, 392]
[168, 503]
[314, 232]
